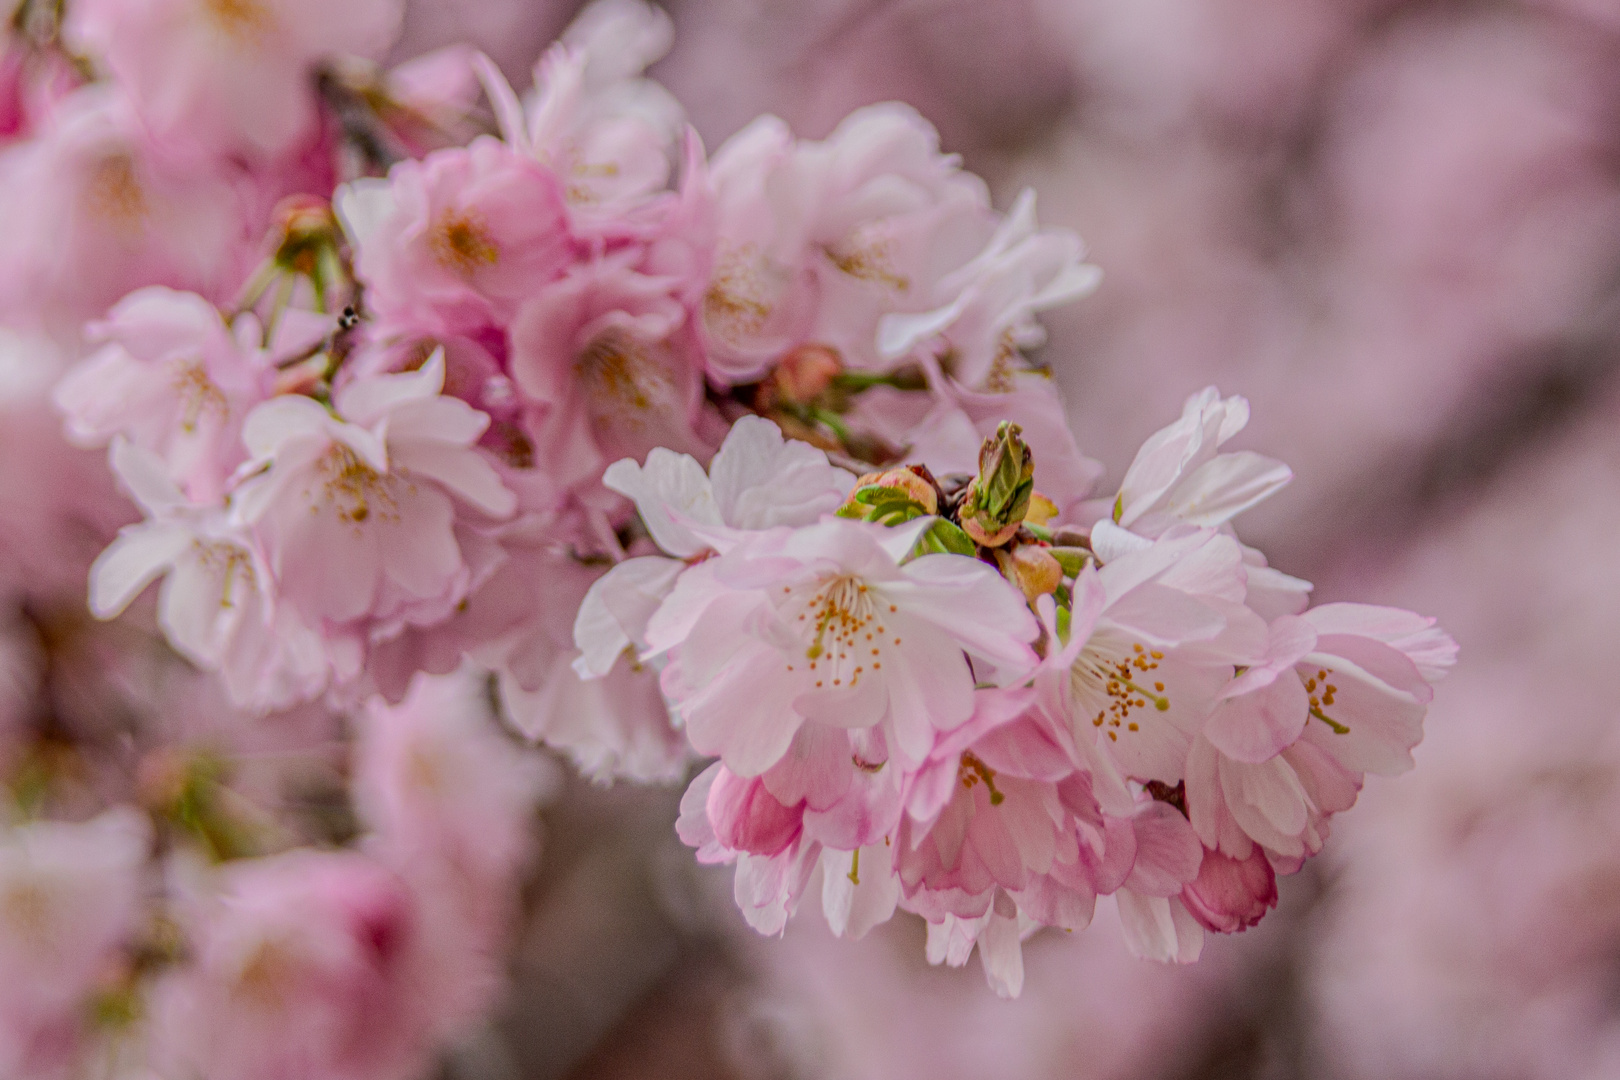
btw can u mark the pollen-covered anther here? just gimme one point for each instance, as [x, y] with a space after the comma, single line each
[198, 395]
[353, 489]
[734, 306]
[462, 243]
[973, 771]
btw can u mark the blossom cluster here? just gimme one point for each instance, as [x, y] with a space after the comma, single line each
[437, 405]
[951, 702]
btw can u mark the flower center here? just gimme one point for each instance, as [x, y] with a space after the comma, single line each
[198, 395]
[228, 563]
[354, 490]
[1321, 696]
[734, 306]
[622, 382]
[1117, 681]
[242, 19]
[461, 243]
[973, 771]
[26, 908]
[115, 193]
[266, 976]
[844, 634]
[866, 258]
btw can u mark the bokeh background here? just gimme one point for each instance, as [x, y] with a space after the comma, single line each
[1395, 228]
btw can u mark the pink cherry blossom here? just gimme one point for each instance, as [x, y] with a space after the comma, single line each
[818, 241]
[1160, 650]
[757, 480]
[991, 302]
[1022, 840]
[437, 779]
[1230, 894]
[611, 364]
[227, 76]
[303, 964]
[358, 510]
[609, 133]
[1336, 705]
[826, 625]
[174, 379]
[1180, 475]
[218, 605]
[94, 212]
[767, 887]
[70, 899]
[455, 243]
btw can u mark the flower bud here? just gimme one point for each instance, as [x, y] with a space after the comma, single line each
[805, 374]
[1231, 894]
[306, 228]
[998, 498]
[912, 480]
[1032, 568]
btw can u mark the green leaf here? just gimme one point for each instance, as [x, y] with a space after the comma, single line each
[876, 494]
[953, 539]
[944, 539]
[1073, 560]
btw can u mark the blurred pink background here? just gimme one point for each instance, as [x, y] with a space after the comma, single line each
[1395, 228]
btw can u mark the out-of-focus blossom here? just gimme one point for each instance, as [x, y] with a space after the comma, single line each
[226, 76]
[175, 380]
[441, 785]
[70, 900]
[93, 213]
[611, 134]
[455, 243]
[304, 964]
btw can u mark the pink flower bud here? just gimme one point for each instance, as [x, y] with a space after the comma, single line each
[1230, 895]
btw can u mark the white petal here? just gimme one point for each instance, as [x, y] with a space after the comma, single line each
[139, 555]
[273, 422]
[608, 614]
[146, 478]
[1002, 955]
[362, 205]
[464, 473]
[668, 484]
[1226, 486]
[365, 401]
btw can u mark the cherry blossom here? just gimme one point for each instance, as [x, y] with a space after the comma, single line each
[781, 630]
[70, 900]
[456, 242]
[174, 379]
[355, 509]
[228, 75]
